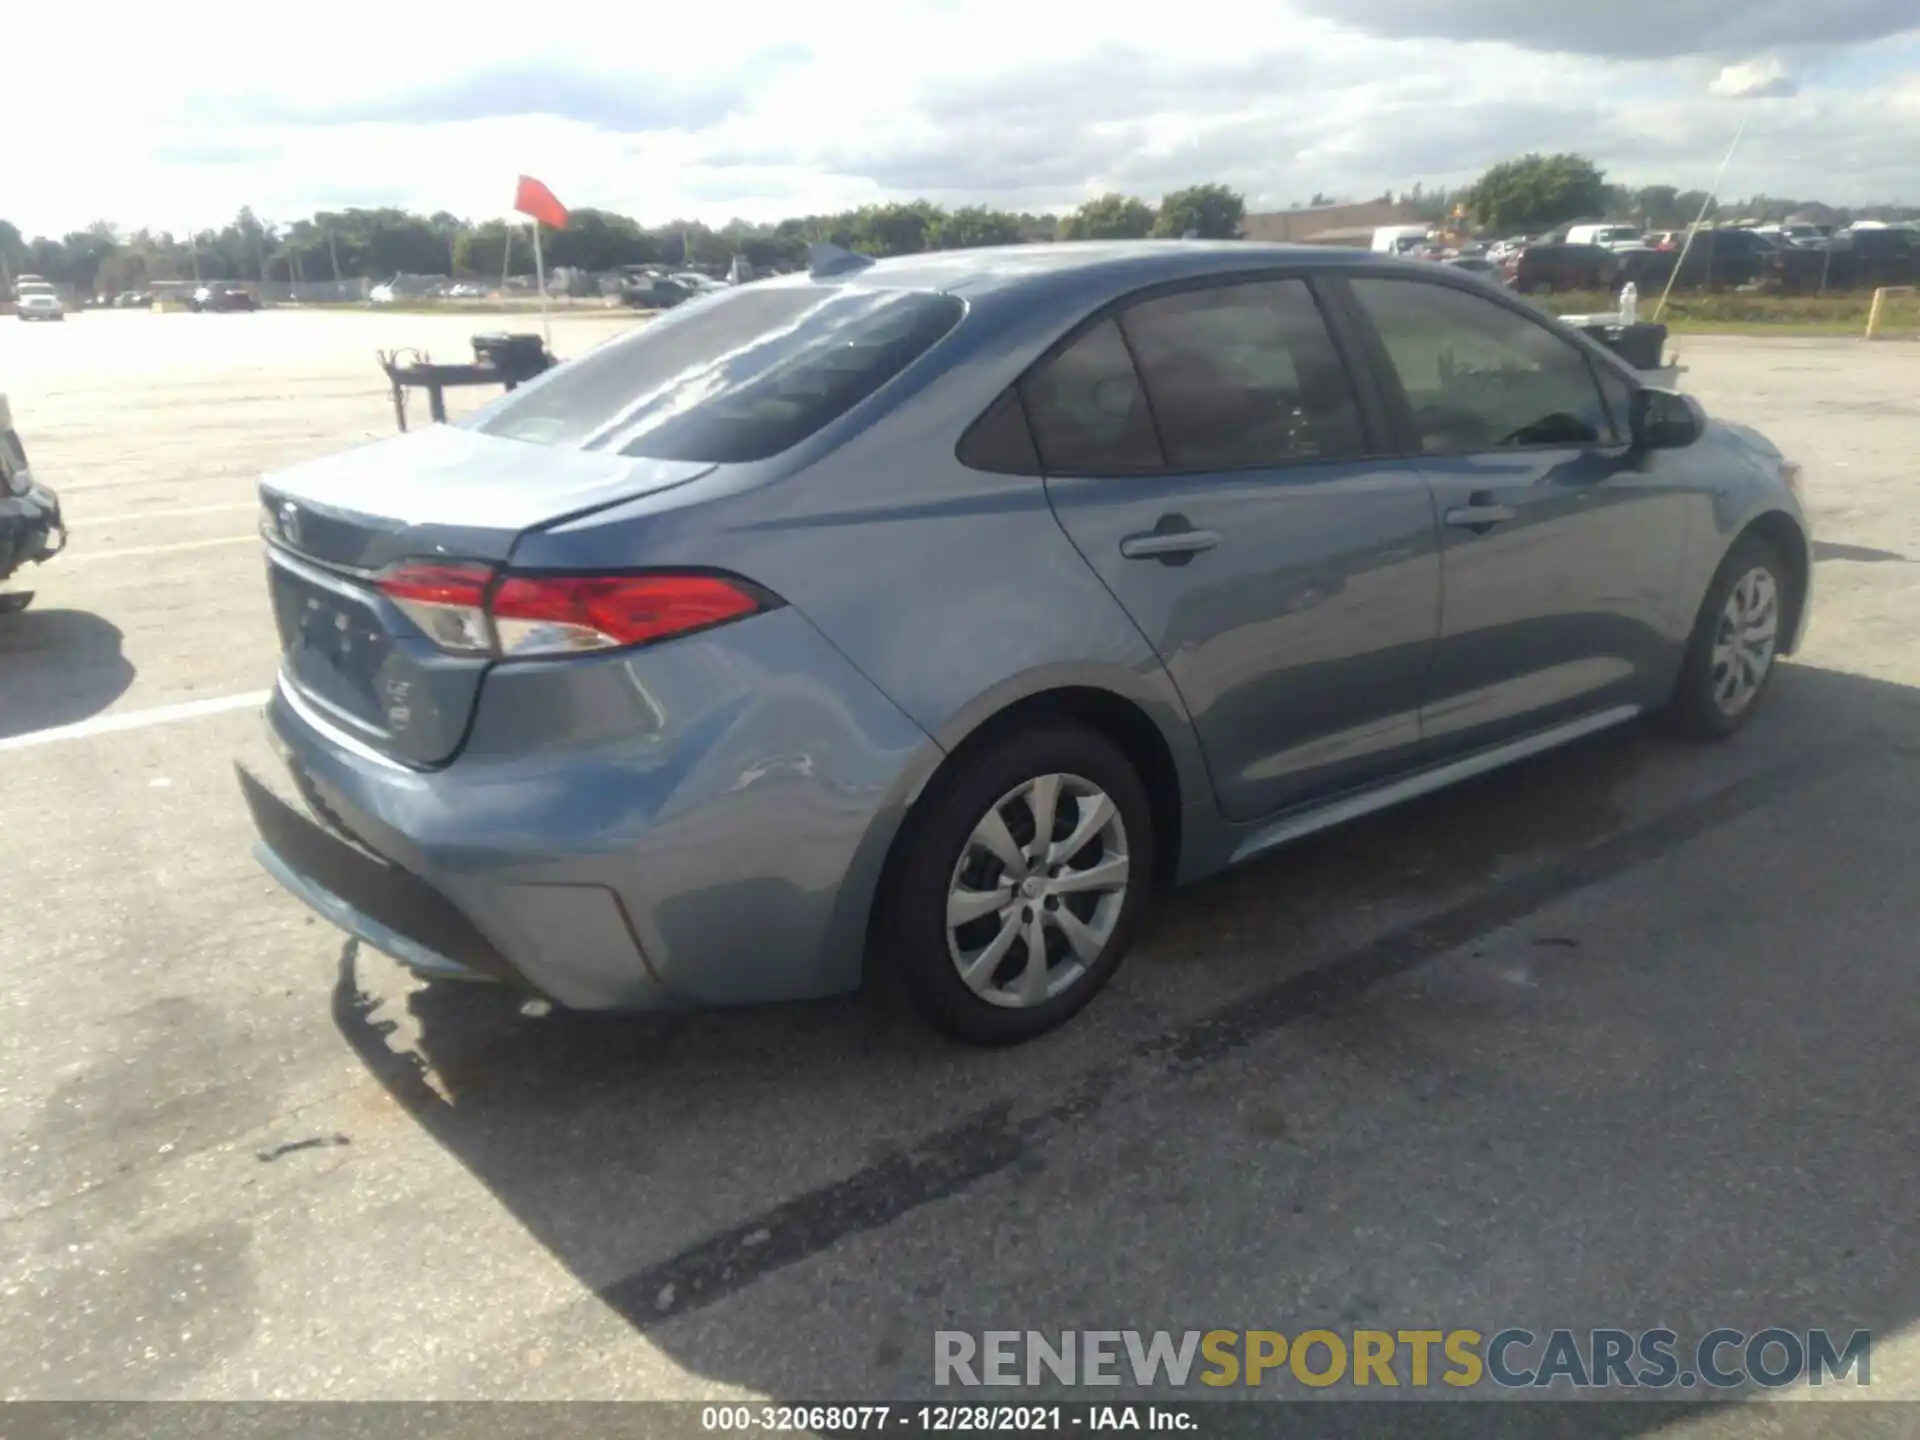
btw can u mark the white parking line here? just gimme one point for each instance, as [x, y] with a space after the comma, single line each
[136, 720]
[82, 557]
[167, 514]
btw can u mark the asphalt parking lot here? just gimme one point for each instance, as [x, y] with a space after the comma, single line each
[1623, 1037]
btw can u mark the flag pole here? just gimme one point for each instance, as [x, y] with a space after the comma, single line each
[540, 279]
[1699, 220]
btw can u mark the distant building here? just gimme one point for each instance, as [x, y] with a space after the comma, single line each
[1327, 224]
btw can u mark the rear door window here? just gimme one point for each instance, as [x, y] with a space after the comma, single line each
[1244, 376]
[736, 377]
[1001, 440]
[1478, 376]
[1088, 410]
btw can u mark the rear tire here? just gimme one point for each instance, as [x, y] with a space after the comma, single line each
[974, 857]
[1734, 649]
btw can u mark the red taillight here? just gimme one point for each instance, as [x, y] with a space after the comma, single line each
[447, 601]
[558, 614]
[461, 608]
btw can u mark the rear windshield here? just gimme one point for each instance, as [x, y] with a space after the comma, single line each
[736, 377]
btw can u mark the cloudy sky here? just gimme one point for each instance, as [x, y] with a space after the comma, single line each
[764, 110]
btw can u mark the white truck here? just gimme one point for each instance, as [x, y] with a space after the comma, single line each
[35, 299]
[1400, 239]
[1610, 237]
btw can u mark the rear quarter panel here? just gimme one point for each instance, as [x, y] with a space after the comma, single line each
[954, 591]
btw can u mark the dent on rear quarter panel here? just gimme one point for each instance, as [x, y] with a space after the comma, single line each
[734, 788]
[954, 591]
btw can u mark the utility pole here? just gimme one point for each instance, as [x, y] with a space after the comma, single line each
[335, 254]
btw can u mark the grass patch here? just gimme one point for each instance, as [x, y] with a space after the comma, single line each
[1734, 313]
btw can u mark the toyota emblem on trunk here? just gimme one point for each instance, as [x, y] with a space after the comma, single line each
[290, 522]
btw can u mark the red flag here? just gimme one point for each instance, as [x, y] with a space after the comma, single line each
[533, 198]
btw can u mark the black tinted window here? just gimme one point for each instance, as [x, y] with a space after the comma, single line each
[1244, 375]
[1478, 376]
[738, 376]
[1001, 439]
[1088, 411]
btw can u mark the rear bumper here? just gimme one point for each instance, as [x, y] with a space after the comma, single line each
[31, 528]
[699, 824]
[371, 899]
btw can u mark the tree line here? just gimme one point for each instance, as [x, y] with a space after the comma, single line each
[1535, 192]
[1527, 194]
[379, 243]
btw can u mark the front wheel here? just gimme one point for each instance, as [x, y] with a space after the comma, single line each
[1022, 884]
[1732, 653]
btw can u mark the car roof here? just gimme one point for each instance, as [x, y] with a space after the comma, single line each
[1131, 263]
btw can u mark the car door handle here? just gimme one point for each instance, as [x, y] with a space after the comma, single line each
[1160, 544]
[1478, 517]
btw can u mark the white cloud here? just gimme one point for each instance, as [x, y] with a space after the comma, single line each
[998, 101]
[1763, 79]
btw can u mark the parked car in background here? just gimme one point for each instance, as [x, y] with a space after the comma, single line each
[694, 280]
[1613, 237]
[921, 616]
[34, 299]
[1475, 265]
[1537, 268]
[1731, 257]
[1808, 236]
[657, 292]
[31, 530]
[219, 299]
[1868, 259]
[1400, 239]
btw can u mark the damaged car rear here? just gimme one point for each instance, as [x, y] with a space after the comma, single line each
[31, 530]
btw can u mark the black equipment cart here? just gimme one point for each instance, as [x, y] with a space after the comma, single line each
[506, 360]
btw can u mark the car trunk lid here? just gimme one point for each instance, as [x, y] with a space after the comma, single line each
[444, 494]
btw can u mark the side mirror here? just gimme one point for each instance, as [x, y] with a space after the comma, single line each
[1666, 420]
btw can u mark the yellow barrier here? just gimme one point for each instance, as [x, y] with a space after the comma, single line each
[1879, 305]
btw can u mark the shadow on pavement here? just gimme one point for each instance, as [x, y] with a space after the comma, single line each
[1286, 1112]
[1827, 550]
[58, 667]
